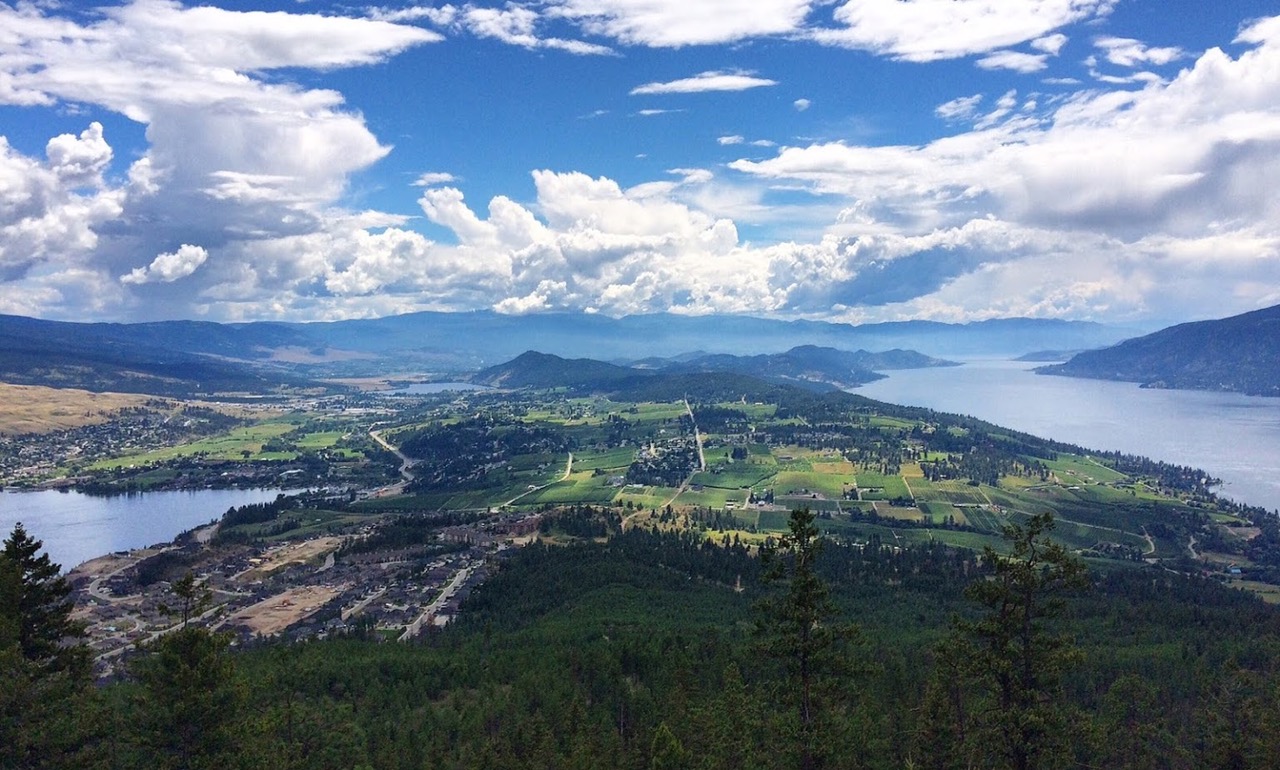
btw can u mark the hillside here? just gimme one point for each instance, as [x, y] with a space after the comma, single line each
[458, 342]
[541, 370]
[812, 364]
[807, 365]
[1239, 354]
[177, 359]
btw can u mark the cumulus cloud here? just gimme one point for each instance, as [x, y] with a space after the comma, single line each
[1111, 178]
[730, 139]
[801, 104]
[51, 209]
[929, 30]
[235, 156]
[714, 80]
[169, 267]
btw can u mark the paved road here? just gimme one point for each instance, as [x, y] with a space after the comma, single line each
[414, 628]
[406, 462]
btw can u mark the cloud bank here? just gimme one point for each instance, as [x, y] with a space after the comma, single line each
[1103, 201]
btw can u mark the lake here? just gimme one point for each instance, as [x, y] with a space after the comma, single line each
[1233, 437]
[76, 527]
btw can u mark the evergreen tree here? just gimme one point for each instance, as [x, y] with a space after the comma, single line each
[795, 628]
[1011, 710]
[35, 606]
[43, 670]
[191, 697]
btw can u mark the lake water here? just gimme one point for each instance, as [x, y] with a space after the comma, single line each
[1233, 437]
[76, 527]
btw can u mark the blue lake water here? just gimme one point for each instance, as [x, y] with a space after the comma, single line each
[1233, 437]
[77, 527]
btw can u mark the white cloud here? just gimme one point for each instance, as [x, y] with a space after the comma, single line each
[929, 30]
[801, 104]
[433, 178]
[441, 16]
[715, 80]
[169, 267]
[1050, 44]
[652, 111]
[79, 161]
[517, 25]
[1111, 182]
[960, 108]
[731, 139]
[1016, 61]
[234, 156]
[1127, 52]
[50, 211]
[676, 23]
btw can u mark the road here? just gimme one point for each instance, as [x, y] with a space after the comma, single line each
[568, 468]
[684, 485]
[697, 437]
[414, 628]
[406, 463]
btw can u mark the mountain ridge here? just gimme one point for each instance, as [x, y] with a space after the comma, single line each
[1238, 354]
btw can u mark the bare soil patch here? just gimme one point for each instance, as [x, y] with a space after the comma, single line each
[276, 613]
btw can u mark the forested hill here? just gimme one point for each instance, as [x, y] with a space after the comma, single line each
[532, 369]
[811, 364]
[806, 365]
[1240, 354]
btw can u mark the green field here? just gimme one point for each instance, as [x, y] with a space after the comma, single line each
[889, 486]
[802, 484]
[606, 459]
[581, 487]
[712, 497]
[1083, 469]
[229, 446]
[736, 476]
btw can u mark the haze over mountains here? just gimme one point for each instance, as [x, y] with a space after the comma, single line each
[176, 355]
[199, 357]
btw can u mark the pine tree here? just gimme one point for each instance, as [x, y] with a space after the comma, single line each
[44, 673]
[35, 606]
[796, 628]
[1012, 714]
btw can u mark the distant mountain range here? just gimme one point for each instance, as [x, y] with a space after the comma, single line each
[807, 365]
[1239, 354]
[200, 357]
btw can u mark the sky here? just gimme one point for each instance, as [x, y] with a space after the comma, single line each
[845, 160]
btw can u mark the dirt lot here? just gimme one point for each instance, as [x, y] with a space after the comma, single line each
[295, 553]
[275, 614]
[34, 409]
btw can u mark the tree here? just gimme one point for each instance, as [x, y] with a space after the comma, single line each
[192, 696]
[35, 606]
[44, 673]
[1009, 711]
[795, 629]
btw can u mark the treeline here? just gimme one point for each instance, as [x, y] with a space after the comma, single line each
[658, 649]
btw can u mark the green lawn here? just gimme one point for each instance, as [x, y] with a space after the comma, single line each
[228, 446]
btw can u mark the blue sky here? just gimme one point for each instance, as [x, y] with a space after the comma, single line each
[852, 160]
